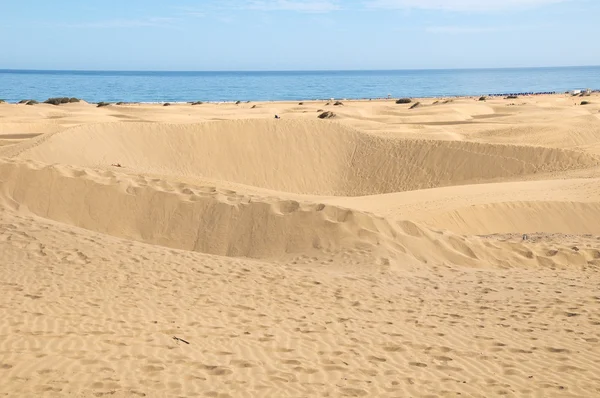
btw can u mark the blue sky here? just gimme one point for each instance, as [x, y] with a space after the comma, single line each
[297, 35]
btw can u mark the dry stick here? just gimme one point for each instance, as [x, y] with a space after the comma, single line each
[178, 339]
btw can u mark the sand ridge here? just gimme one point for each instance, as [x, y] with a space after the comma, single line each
[505, 207]
[379, 253]
[222, 222]
[306, 157]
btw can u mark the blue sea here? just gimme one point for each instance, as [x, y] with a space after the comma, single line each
[113, 86]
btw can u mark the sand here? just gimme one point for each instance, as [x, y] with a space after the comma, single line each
[377, 253]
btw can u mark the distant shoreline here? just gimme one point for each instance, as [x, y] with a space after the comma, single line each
[495, 96]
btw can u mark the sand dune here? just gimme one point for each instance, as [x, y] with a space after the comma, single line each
[307, 157]
[574, 217]
[202, 219]
[221, 222]
[558, 205]
[581, 131]
[518, 217]
[378, 254]
[32, 129]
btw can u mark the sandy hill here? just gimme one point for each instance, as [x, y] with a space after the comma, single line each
[379, 253]
[307, 157]
[223, 222]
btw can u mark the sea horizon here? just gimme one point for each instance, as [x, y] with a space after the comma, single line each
[291, 70]
[288, 85]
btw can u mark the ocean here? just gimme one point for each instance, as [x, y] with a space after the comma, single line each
[113, 86]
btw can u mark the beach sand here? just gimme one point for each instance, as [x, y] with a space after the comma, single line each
[379, 253]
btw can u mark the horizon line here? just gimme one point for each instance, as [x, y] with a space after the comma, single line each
[292, 70]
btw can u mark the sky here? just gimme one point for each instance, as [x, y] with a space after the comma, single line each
[248, 35]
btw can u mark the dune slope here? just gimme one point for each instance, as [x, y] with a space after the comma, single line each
[202, 219]
[308, 157]
[207, 220]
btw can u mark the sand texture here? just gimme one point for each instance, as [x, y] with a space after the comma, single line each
[378, 253]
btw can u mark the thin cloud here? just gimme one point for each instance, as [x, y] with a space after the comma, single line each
[463, 29]
[466, 29]
[195, 14]
[301, 6]
[462, 5]
[306, 6]
[127, 23]
[191, 12]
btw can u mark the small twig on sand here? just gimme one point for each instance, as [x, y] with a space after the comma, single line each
[182, 340]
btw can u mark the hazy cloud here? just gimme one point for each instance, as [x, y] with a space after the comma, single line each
[461, 5]
[191, 12]
[463, 29]
[127, 23]
[308, 6]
